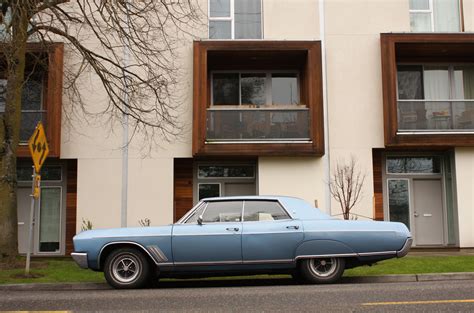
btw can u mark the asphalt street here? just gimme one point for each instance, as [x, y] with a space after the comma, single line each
[254, 296]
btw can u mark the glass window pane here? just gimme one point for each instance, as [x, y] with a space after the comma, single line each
[31, 95]
[194, 217]
[446, 16]
[285, 89]
[414, 165]
[225, 89]
[464, 82]
[48, 172]
[220, 30]
[264, 211]
[209, 191]
[223, 211]
[410, 84]
[419, 4]
[233, 171]
[50, 211]
[420, 22]
[398, 201]
[219, 8]
[253, 89]
[247, 19]
[436, 82]
[28, 123]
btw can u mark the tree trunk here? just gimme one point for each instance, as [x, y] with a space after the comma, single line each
[10, 131]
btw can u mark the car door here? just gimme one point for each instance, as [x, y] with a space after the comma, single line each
[217, 240]
[269, 233]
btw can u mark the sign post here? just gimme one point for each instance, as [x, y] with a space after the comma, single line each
[39, 150]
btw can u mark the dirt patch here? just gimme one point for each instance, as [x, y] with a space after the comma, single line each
[23, 275]
[17, 264]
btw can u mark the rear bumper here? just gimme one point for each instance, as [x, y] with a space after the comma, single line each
[81, 259]
[406, 247]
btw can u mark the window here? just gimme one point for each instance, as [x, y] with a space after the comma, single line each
[32, 110]
[435, 97]
[414, 165]
[235, 19]
[223, 211]
[48, 173]
[195, 215]
[399, 201]
[209, 190]
[228, 171]
[263, 211]
[435, 15]
[255, 89]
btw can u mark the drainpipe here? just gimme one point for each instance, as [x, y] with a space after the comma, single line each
[326, 156]
[124, 200]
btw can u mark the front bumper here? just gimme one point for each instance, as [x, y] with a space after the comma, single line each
[406, 247]
[81, 259]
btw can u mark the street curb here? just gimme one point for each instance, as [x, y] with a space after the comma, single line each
[406, 278]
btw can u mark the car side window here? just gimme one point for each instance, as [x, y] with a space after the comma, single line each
[223, 211]
[194, 217]
[255, 211]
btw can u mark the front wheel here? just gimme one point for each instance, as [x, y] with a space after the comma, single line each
[322, 270]
[126, 268]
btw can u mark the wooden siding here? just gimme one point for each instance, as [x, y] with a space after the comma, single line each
[378, 184]
[420, 48]
[302, 55]
[71, 204]
[183, 187]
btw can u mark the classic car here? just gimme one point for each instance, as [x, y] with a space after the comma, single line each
[241, 235]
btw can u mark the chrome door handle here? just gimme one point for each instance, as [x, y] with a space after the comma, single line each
[293, 227]
[232, 229]
[416, 214]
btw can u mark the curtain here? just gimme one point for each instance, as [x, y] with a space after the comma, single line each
[248, 15]
[437, 87]
[446, 15]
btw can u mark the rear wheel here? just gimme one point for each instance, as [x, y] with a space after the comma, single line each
[127, 268]
[322, 270]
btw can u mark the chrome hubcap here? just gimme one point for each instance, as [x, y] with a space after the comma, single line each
[125, 268]
[323, 267]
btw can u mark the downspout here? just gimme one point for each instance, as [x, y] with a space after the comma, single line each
[326, 157]
[124, 193]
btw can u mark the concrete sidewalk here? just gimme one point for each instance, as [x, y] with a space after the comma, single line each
[409, 278]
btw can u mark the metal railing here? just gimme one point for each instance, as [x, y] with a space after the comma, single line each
[436, 116]
[257, 124]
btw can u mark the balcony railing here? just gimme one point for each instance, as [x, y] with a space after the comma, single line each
[257, 124]
[439, 116]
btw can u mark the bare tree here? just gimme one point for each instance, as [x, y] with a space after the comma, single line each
[346, 185]
[96, 32]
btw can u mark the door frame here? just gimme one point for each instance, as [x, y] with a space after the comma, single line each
[411, 196]
[62, 184]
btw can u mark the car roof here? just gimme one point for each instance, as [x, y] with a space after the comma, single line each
[296, 207]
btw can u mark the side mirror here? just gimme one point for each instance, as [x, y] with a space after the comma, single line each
[199, 220]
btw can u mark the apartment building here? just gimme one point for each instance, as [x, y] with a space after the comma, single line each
[277, 92]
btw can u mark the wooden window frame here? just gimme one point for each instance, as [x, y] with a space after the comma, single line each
[311, 95]
[52, 96]
[417, 48]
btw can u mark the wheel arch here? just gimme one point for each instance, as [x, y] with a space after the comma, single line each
[111, 246]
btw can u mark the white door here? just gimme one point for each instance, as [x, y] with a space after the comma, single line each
[428, 212]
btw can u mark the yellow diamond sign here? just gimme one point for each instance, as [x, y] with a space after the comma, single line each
[38, 147]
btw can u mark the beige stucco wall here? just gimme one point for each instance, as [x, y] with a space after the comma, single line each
[291, 20]
[354, 83]
[292, 176]
[464, 160]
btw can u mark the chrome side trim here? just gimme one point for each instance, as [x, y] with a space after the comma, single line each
[209, 234]
[125, 242]
[406, 247]
[377, 253]
[325, 256]
[157, 253]
[80, 258]
[233, 262]
[207, 263]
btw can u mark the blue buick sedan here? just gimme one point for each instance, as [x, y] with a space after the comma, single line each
[241, 235]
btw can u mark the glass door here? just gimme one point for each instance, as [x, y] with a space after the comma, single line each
[50, 220]
[399, 201]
